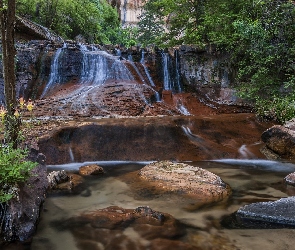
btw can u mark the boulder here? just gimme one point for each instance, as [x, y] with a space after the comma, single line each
[91, 170]
[272, 214]
[186, 180]
[280, 139]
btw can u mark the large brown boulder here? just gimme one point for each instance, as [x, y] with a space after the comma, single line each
[186, 180]
[280, 139]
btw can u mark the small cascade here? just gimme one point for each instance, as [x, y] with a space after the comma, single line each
[130, 59]
[94, 68]
[183, 110]
[54, 77]
[177, 70]
[71, 154]
[245, 152]
[167, 84]
[171, 72]
[99, 66]
[146, 70]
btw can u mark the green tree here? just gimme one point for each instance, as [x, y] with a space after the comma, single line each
[95, 20]
[257, 34]
[168, 22]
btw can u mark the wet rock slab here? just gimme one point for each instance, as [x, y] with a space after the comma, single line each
[277, 214]
[186, 180]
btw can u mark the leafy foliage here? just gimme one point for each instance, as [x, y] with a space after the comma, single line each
[95, 20]
[14, 169]
[258, 34]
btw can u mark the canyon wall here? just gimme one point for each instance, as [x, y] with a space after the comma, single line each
[128, 10]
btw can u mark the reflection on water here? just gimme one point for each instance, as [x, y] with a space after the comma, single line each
[251, 181]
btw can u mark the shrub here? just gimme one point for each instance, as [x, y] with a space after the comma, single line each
[14, 169]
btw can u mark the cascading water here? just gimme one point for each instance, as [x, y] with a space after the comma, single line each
[177, 70]
[167, 84]
[146, 70]
[130, 59]
[54, 77]
[99, 66]
[171, 72]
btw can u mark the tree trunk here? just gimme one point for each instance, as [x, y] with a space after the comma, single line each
[8, 56]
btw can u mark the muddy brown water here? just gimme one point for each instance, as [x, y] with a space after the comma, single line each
[227, 145]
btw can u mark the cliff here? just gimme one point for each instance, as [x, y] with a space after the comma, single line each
[128, 10]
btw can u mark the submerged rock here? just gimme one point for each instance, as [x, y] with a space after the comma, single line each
[185, 179]
[118, 228]
[277, 214]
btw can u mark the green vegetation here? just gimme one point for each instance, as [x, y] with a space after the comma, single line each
[95, 20]
[258, 34]
[14, 169]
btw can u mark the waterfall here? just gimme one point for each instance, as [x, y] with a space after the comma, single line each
[177, 70]
[167, 85]
[171, 72]
[99, 66]
[71, 154]
[94, 68]
[146, 70]
[130, 59]
[54, 77]
[157, 95]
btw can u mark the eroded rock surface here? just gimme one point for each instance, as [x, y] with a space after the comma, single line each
[185, 179]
